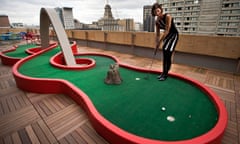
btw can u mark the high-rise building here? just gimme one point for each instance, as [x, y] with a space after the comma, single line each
[4, 21]
[126, 24]
[212, 17]
[107, 22]
[138, 26]
[66, 16]
[148, 19]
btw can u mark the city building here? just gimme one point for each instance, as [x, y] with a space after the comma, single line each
[211, 17]
[4, 21]
[66, 16]
[17, 25]
[148, 19]
[138, 26]
[107, 22]
[126, 24]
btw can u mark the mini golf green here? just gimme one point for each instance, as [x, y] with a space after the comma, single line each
[19, 52]
[139, 106]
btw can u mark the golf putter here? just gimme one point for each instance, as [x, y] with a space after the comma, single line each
[153, 58]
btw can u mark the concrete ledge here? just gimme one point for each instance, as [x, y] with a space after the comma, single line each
[198, 60]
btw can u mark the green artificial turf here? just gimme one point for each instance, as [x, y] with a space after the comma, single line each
[20, 51]
[136, 105]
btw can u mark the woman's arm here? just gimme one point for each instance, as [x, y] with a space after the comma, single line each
[168, 26]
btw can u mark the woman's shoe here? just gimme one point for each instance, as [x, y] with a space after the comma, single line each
[163, 77]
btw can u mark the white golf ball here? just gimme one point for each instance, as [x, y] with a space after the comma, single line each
[163, 108]
[137, 78]
[171, 118]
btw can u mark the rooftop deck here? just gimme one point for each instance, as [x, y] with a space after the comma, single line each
[52, 118]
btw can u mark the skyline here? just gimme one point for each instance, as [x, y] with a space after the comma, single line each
[86, 11]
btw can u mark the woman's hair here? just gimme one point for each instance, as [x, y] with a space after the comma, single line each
[155, 6]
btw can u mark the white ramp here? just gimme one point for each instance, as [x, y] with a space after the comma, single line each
[49, 16]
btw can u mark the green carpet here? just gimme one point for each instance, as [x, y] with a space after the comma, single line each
[20, 51]
[136, 105]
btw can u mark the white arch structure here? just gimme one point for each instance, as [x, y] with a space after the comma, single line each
[49, 16]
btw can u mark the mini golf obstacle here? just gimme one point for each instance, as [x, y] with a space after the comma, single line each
[176, 111]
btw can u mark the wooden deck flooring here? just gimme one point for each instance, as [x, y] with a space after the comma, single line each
[54, 118]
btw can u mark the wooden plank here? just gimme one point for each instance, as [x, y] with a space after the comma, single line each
[49, 106]
[47, 132]
[52, 101]
[18, 119]
[44, 108]
[79, 138]
[5, 106]
[39, 110]
[32, 135]
[16, 139]
[87, 128]
[10, 104]
[16, 103]
[21, 101]
[7, 139]
[63, 141]
[25, 99]
[24, 136]
[58, 103]
[70, 139]
[3, 85]
[66, 120]
[40, 134]
[63, 121]
[35, 97]
[1, 108]
[233, 112]
[70, 126]
[65, 100]
[61, 114]
[85, 136]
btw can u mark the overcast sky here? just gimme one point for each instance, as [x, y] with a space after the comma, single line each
[86, 11]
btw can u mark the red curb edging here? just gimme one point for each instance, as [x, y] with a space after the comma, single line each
[110, 132]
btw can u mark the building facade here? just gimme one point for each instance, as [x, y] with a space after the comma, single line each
[66, 16]
[148, 19]
[4, 21]
[107, 22]
[211, 17]
[126, 24]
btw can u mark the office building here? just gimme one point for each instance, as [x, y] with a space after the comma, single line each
[4, 21]
[126, 24]
[148, 19]
[66, 16]
[211, 17]
[107, 22]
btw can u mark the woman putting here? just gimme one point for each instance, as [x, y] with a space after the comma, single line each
[169, 38]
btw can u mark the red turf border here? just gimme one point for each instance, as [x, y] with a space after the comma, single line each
[6, 60]
[81, 63]
[110, 132]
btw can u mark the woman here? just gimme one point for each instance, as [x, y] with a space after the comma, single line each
[169, 37]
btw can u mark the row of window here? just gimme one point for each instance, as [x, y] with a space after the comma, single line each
[230, 30]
